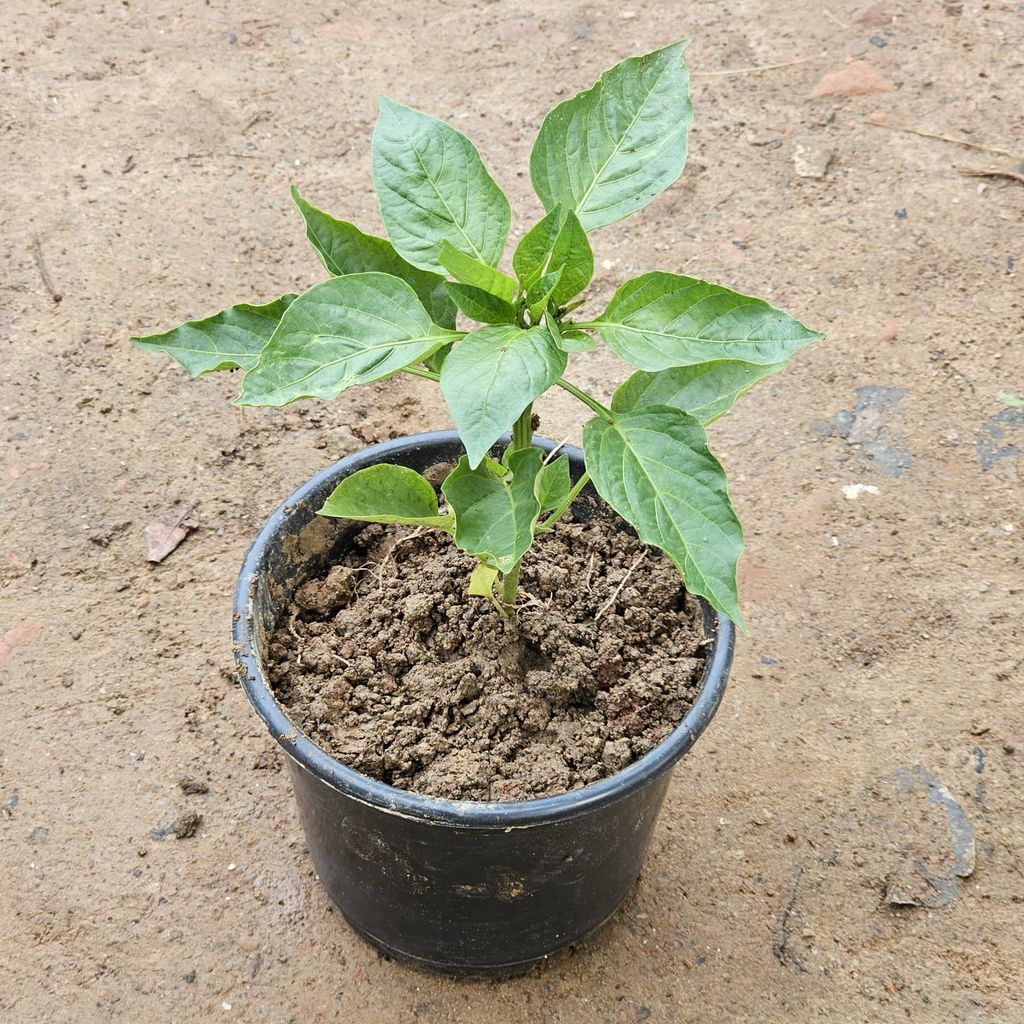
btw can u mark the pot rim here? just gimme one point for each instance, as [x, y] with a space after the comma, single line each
[438, 810]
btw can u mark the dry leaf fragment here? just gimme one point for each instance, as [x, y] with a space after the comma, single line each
[167, 531]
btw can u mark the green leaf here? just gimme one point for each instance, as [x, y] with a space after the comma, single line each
[436, 358]
[344, 249]
[481, 581]
[225, 341]
[534, 248]
[386, 494]
[554, 483]
[556, 242]
[433, 186]
[660, 320]
[539, 295]
[610, 150]
[344, 331]
[576, 341]
[480, 305]
[570, 340]
[495, 510]
[493, 374]
[573, 256]
[707, 390]
[654, 468]
[479, 275]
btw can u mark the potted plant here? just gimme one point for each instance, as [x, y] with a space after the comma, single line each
[537, 684]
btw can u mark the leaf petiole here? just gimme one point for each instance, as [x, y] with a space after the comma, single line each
[588, 400]
[557, 513]
[421, 371]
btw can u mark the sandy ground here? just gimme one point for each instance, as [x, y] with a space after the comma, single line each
[874, 721]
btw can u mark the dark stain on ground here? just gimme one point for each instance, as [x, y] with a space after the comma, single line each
[989, 445]
[867, 430]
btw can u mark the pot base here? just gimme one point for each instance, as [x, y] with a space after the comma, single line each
[515, 969]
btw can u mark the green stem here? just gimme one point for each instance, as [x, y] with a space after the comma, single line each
[588, 400]
[556, 514]
[586, 325]
[522, 437]
[510, 586]
[420, 371]
[522, 430]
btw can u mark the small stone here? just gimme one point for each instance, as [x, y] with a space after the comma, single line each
[187, 825]
[437, 473]
[875, 16]
[890, 331]
[192, 786]
[856, 79]
[812, 158]
[901, 213]
[1009, 748]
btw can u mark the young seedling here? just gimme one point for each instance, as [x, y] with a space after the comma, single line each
[391, 306]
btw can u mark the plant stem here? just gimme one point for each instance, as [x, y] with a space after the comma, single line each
[585, 325]
[560, 511]
[510, 586]
[586, 399]
[420, 371]
[522, 430]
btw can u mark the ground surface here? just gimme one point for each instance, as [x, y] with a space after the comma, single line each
[875, 711]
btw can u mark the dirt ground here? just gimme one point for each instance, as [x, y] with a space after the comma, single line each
[873, 734]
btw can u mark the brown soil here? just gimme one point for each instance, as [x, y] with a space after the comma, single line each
[149, 147]
[389, 665]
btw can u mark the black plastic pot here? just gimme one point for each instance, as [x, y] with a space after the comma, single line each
[462, 887]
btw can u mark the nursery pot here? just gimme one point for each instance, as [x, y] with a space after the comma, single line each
[463, 887]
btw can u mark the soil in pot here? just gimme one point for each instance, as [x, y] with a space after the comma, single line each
[392, 668]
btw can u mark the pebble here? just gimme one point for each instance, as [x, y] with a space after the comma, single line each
[812, 158]
[187, 825]
[856, 79]
[853, 491]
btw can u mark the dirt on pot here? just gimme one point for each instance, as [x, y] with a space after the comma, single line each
[394, 669]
